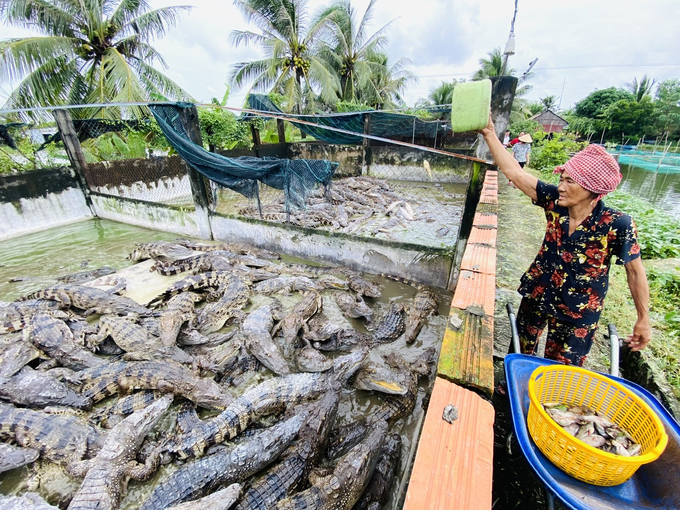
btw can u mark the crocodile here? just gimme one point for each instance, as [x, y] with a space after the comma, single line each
[424, 304]
[218, 358]
[91, 300]
[297, 318]
[286, 284]
[320, 328]
[219, 500]
[256, 328]
[391, 326]
[226, 466]
[110, 416]
[107, 474]
[354, 307]
[345, 339]
[213, 316]
[22, 385]
[363, 287]
[13, 457]
[393, 407]
[342, 488]
[27, 501]
[378, 490]
[309, 359]
[54, 338]
[14, 316]
[244, 368]
[372, 376]
[165, 376]
[196, 264]
[60, 438]
[162, 250]
[239, 248]
[297, 461]
[136, 340]
[86, 276]
[266, 398]
[201, 281]
[180, 310]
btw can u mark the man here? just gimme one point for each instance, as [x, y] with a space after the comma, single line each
[566, 284]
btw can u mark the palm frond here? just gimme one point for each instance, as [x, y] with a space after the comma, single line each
[154, 23]
[19, 57]
[38, 15]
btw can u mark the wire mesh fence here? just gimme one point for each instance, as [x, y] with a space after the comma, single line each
[397, 177]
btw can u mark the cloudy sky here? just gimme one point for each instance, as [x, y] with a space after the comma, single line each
[581, 45]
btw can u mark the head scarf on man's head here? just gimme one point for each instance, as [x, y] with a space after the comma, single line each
[594, 169]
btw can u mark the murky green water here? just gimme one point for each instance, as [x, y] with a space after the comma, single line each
[38, 258]
[81, 246]
[662, 190]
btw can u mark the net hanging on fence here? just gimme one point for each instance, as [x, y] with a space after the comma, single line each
[382, 124]
[93, 128]
[297, 178]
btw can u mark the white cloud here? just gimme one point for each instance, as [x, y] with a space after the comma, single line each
[577, 43]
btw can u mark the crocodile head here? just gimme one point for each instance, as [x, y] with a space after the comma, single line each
[345, 366]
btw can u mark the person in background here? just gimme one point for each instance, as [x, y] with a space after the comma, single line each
[566, 285]
[506, 138]
[522, 150]
[516, 140]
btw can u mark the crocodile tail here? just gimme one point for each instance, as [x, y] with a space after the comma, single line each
[407, 281]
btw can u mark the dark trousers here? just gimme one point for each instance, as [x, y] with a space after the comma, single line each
[567, 342]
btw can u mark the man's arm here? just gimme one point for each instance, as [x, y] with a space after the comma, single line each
[639, 289]
[508, 164]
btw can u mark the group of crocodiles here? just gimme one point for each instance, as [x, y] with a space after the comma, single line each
[225, 389]
[354, 205]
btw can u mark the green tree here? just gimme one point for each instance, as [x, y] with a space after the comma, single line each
[641, 89]
[492, 66]
[595, 104]
[389, 82]
[629, 119]
[221, 129]
[667, 106]
[94, 51]
[549, 102]
[443, 94]
[292, 66]
[348, 48]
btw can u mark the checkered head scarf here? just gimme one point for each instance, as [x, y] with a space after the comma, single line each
[594, 169]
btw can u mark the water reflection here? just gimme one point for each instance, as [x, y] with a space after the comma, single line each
[662, 190]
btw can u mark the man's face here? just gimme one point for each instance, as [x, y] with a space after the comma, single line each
[571, 193]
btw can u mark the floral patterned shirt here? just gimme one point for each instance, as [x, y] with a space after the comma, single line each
[570, 275]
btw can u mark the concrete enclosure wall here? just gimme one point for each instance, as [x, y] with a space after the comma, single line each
[40, 200]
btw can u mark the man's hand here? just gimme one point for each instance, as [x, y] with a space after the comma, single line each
[642, 334]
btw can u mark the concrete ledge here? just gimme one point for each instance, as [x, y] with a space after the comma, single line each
[453, 468]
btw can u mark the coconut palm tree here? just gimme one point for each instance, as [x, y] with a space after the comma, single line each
[549, 102]
[492, 66]
[642, 88]
[388, 83]
[291, 66]
[348, 48]
[94, 51]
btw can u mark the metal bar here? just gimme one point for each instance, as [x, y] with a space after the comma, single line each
[513, 327]
[614, 350]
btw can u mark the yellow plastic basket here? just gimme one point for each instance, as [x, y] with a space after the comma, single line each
[578, 386]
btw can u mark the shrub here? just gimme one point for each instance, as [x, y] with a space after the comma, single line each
[551, 152]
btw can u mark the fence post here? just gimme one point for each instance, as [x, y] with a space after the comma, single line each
[256, 140]
[281, 130]
[189, 118]
[365, 145]
[75, 153]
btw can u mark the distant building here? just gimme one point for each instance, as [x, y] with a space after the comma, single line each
[550, 121]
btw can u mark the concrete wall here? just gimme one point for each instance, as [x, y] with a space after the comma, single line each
[373, 256]
[180, 220]
[39, 200]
